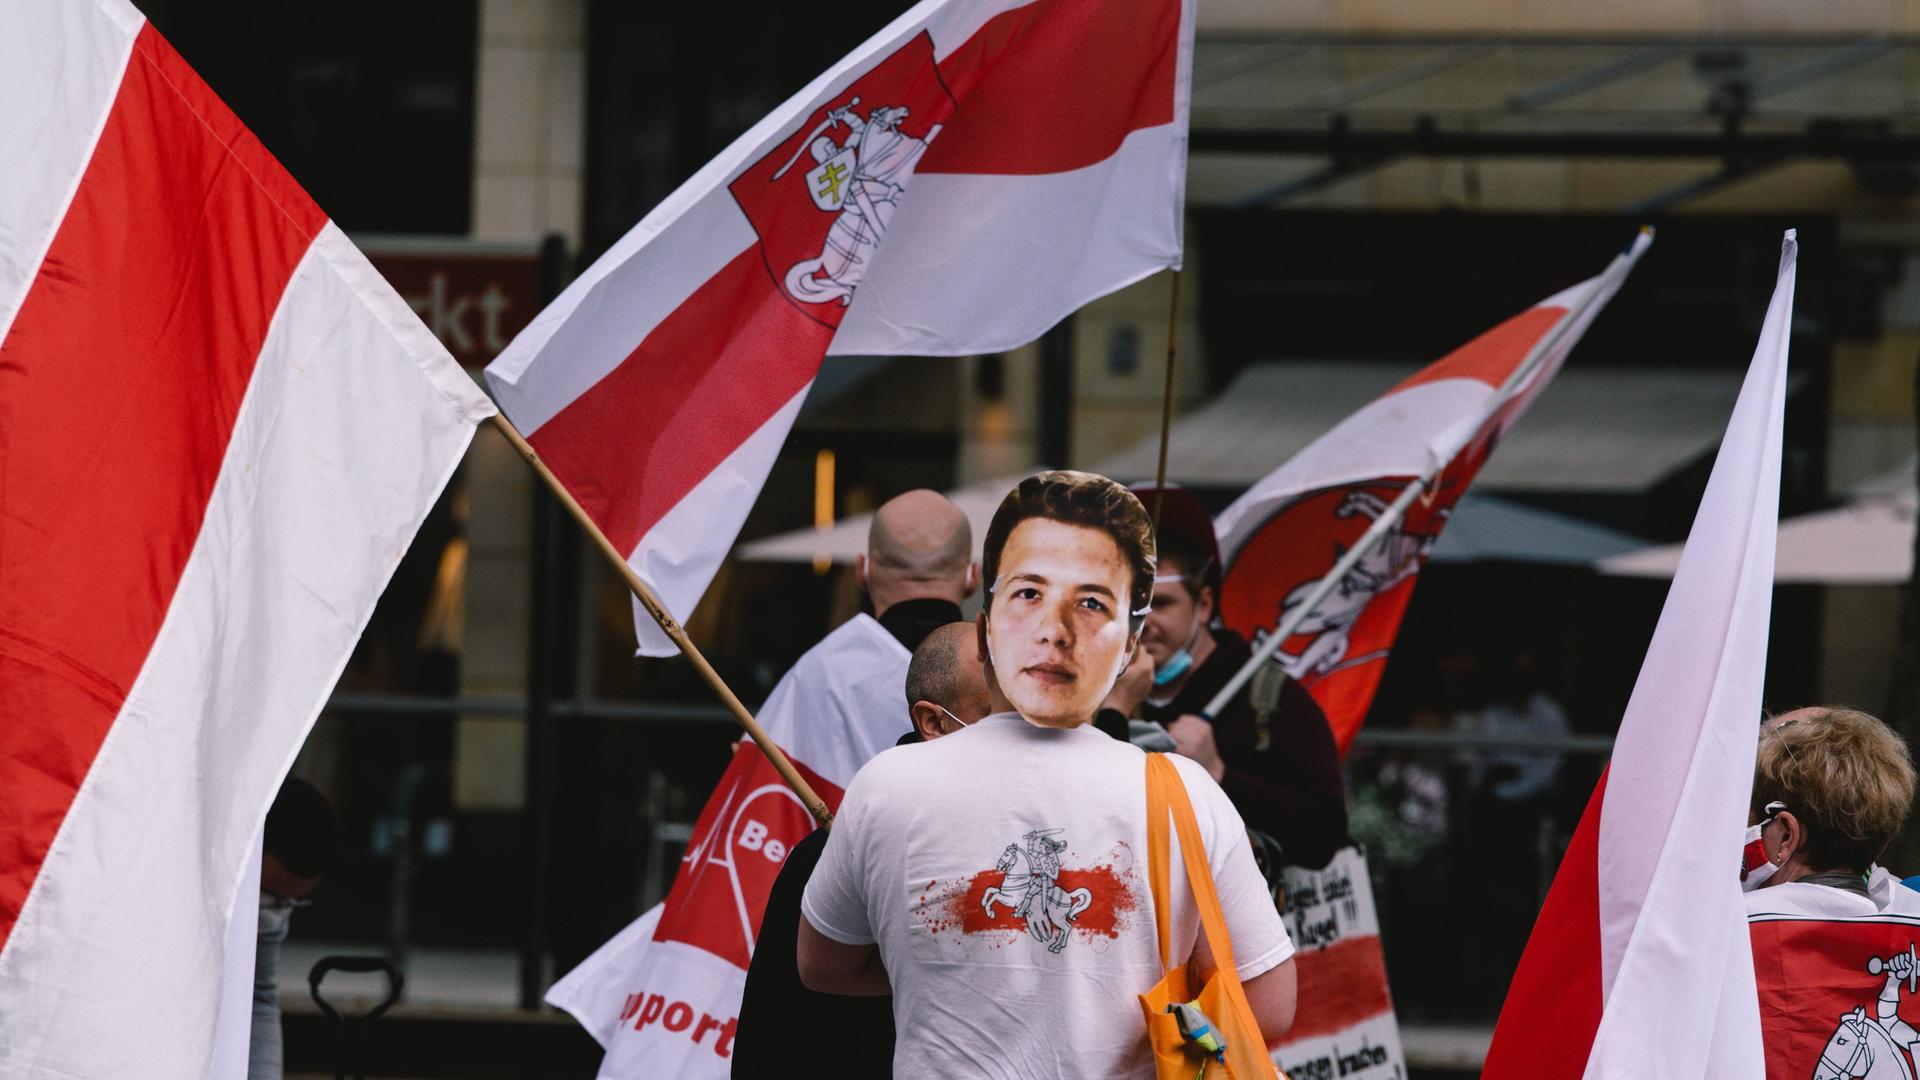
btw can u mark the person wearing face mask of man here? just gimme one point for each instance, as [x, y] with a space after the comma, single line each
[1280, 766]
[994, 881]
[781, 1021]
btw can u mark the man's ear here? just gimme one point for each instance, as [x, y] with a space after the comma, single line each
[926, 719]
[1205, 605]
[980, 640]
[860, 570]
[973, 577]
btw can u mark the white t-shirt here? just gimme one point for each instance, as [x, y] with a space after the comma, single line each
[1002, 870]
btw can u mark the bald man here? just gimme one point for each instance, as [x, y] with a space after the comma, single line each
[783, 1025]
[946, 687]
[919, 565]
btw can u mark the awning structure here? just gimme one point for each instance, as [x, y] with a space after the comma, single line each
[1280, 116]
[1594, 430]
[1867, 542]
[1483, 529]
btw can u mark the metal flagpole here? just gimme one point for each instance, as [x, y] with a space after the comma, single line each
[668, 623]
[1166, 405]
[1607, 283]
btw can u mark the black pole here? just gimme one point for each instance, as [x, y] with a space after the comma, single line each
[541, 638]
[1056, 395]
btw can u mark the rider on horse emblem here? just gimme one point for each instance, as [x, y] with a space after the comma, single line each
[1030, 885]
[860, 180]
[1881, 1046]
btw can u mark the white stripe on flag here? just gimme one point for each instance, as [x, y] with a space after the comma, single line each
[353, 423]
[1028, 229]
[678, 556]
[1682, 770]
[60, 70]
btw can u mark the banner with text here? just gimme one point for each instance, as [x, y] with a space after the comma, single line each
[1345, 1026]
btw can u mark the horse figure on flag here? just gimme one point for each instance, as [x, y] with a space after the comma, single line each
[1030, 886]
[1397, 557]
[1877, 1047]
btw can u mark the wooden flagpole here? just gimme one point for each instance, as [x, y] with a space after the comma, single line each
[1166, 404]
[814, 804]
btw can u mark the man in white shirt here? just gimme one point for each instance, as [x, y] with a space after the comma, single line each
[995, 881]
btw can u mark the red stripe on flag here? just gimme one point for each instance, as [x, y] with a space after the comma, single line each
[1057, 85]
[705, 379]
[119, 382]
[1492, 356]
[1553, 1007]
[1340, 985]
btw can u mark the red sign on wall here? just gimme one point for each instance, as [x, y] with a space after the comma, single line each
[474, 298]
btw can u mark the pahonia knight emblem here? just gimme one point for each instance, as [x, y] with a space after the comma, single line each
[860, 178]
[1877, 1045]
[1031, 887]
[822, 199]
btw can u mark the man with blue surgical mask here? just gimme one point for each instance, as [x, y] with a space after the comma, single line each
[1278, 765]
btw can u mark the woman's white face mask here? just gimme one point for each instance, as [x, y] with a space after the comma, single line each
[1755, 867]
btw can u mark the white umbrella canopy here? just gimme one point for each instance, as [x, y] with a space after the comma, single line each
[848, 536]
[1866, 542]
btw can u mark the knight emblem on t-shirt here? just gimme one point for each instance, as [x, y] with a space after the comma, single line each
[1030, 885]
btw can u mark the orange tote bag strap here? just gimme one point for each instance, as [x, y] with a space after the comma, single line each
[1193, 854]
[1247, 1052]
[1160, 856]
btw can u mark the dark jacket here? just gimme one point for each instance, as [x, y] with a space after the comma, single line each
[783, 1025]
[1292, 790]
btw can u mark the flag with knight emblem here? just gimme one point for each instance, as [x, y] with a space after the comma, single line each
[1280, 538]
[957, 185]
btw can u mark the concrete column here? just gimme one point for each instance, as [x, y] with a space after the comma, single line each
[529, 146]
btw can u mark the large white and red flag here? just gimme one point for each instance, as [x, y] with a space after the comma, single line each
[1639, 964]
[1288, 531]
[219, 431]
[957, 185]
[663, 996]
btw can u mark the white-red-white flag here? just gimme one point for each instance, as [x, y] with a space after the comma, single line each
[957, 185]
[1640, 964]
[219, 431]
[663, 996]
[1285, 534]
[1835, 973]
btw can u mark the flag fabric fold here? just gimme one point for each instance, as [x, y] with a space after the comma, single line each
[1286, 533]
[958, 184]
[219, 431]
[1640, 962]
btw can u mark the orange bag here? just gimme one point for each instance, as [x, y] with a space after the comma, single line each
[1222, 999]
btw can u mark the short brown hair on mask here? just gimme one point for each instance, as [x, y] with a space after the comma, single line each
[1084, 499]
